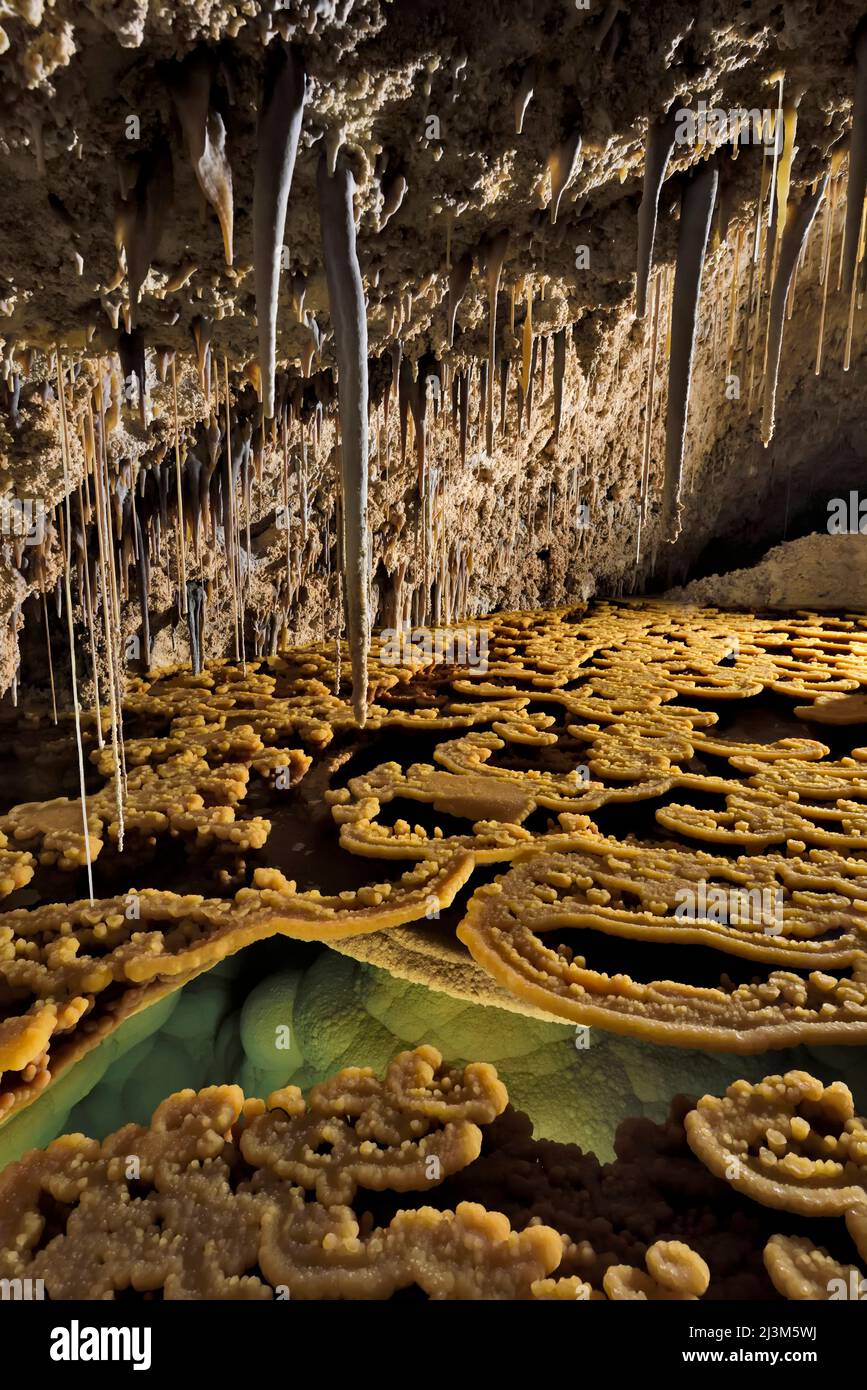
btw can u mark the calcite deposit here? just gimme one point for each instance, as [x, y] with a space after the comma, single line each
[285, 1186]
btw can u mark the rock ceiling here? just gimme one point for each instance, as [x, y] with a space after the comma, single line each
[533, 252]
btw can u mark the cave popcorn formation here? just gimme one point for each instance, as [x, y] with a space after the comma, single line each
[377, 737]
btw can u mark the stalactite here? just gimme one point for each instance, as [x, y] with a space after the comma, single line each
[66, 540]
[648, 423]
[505, 372]
[841, 256]
[754, 301]
[524, 95]
[534, 355]
[799, 220]
[784, 154]
[112, 312]
[90, 614]
[404, 391]
[229, 471]
[696, 214]
[428, 394]
[308, 352]
[827, 245]
[784, 167]
[284, 433]
[162, 359]
[559, 376]
[131, 351]
[202, 328]
[527, 340]
[143, 578]
[195, 607]
[393, 194]
[717, 298]
[182, 533]
[13, 400]
[298, 292]
[280, 114]
[412, 393]
[205, 136]
[192, 491]
[454, 398]
[563, 165]
[340, 570]
[303, 491]
[349, 317]
[733, 301]
[108, 596]
[459, 280]
[493, 256]
[140, 220]
[779, 78]
[854, 292]
[126, 532]
[660, 144]
[50, 661]
[242, 450]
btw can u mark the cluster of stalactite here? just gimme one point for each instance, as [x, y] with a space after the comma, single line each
[190, 498]
[196, 490]
[766, 260]
[188, 501]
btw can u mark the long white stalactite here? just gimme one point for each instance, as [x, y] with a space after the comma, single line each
[696, 213]
[799, 220]
[279, 127]
[660, 144]
[349, 317]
